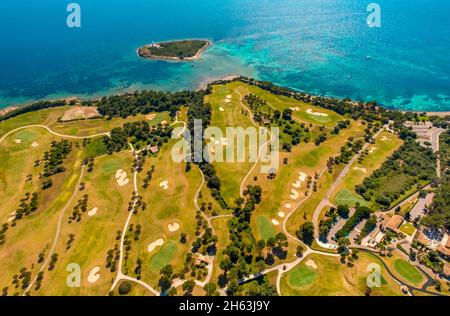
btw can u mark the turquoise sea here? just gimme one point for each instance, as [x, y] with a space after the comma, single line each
[319, 46]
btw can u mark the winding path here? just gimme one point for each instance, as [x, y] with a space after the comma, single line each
[58, 229]
[52, 132]
[120, 275]
[263, 146]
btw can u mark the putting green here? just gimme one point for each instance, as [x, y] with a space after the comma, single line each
[346, 197]
[163, 256]
[407, 271]
[301, 276]
[265, 228]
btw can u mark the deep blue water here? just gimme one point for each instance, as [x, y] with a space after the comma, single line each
[318, 46]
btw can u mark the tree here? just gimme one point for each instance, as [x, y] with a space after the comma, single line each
[343, 211]
[306, 233]
[260, 245]
[210, 289]
[300, 250]
[125, 288]
[188, 287]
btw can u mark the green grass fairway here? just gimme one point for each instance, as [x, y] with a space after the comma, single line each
[95, 148]
[163, 256]
[265, 228]
[301, 276]
[407, 271]
[346, 197]
[376, 155]
[408, 229]
[332, 278]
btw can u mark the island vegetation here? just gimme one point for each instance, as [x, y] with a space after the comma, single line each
[175, 50]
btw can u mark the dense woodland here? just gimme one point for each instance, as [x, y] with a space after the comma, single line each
[179, 49]
[439, 214]
[145, 102]
[411, 166]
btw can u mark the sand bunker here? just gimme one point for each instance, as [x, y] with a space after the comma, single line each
[163, 122]
[229, 96]
[310, 111]
[93, 275]
[173, 227]
[294, 194]
[275, 222]
[311, 263]
[302, 176]
[157, 243]
[372, 150]
[93, 211]
[150, 117]
[297, 184]
[35, 144]
[281, 214]
[227, 100]
[17, 140]
[288, 205]
[13, 216]
[295, 109]
[364, 170]
[164, 184]
[385, 139]
[221, 109]
[121, 177]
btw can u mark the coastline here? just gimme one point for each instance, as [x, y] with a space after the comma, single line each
[197, 56]
[201, 86]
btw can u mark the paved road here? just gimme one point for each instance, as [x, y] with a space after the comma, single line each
[326, 200]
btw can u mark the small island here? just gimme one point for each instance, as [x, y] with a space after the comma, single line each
[184, 50]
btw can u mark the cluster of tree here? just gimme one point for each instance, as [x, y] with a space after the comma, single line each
[24, 276]
[70, 241]
[409, 166]
[52, 263]
[27, 205]
[439, 213]
[370, 225]
[238, 258]
[306, 233]
[54, 159]
[113, 256]
[180, 49]
[202, 113]
[148, 177]
[166, 276]
[89, 162]
[3, 230]
[144, 102]
[79, 209]
[139, 134]
[340, 126]
[326, 224]
[361, 213]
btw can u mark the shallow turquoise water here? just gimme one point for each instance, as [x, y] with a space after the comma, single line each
[318, 46]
